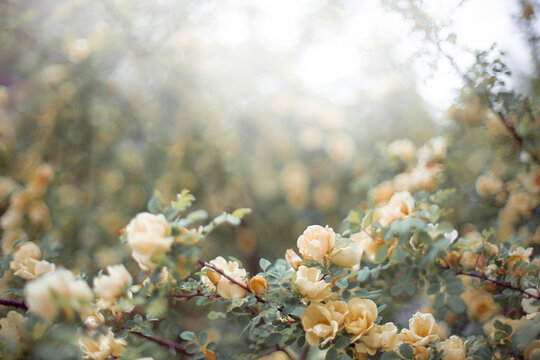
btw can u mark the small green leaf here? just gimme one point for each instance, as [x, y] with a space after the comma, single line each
[264, 264]
[406, 351]
[382, 253]
[192, 348]
[188, 336]
[240, 213]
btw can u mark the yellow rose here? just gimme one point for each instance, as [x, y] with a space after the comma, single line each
[26, 262]
[369, 244]
[311, 284]
[13, 326]
[101, 347]
[346, 255]
[361, 316]
[316, 242]
[293, 259]
[323, 321]
[149, 237]
[379, 337]
[422, 330]
[57, 290]
[453, 349]
[400, 206]
[109, 288]
[223, 286]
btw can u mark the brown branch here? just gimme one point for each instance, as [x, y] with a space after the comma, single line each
[191, 296]
[173, 347]
[498, 283]
[243, 286]
[14, 303]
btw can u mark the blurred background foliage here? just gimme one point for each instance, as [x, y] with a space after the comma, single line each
[124, 97]
[121, 97]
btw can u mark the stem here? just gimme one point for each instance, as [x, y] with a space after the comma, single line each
[498, 283]
[14, 303]
[243, 286]
[191, 296]
[304, 353]
[173, 347]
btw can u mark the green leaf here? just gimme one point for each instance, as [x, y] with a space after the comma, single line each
[331, 354]
[363, 274]
[156, 203]
[368, 219]
[390, 355]
[240, 213]
[188, 336]
[456, 304]
[192, 348]
[264, 264]
[342, 283]
[203, 338]
[382, 253]
[272, 339]
[342, 342]
[406, 351]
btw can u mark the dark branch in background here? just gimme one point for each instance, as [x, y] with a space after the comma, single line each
[498, 283]
[14, 303]
[173, 347]
[199, 293]
[243, 286]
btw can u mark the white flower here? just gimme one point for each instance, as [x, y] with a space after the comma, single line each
[55, 291]
[149, 237]
[109, 288]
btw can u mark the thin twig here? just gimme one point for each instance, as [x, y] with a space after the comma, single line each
[243, 286]
[14, 303]
[498, 283]
[173, 347]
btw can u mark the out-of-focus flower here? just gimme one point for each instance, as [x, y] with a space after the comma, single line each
[26, 262]
[453, 348]
[402, 148]
[101, 347]
[311, 284]
[361, 317]
[399, 207]
[323, 321]
[109, 288]
[422, 330]
[488, 184]
[316, 242]
[223, 286]
[149, 237]
[13, 327]
[57, 291]
[480, 304]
